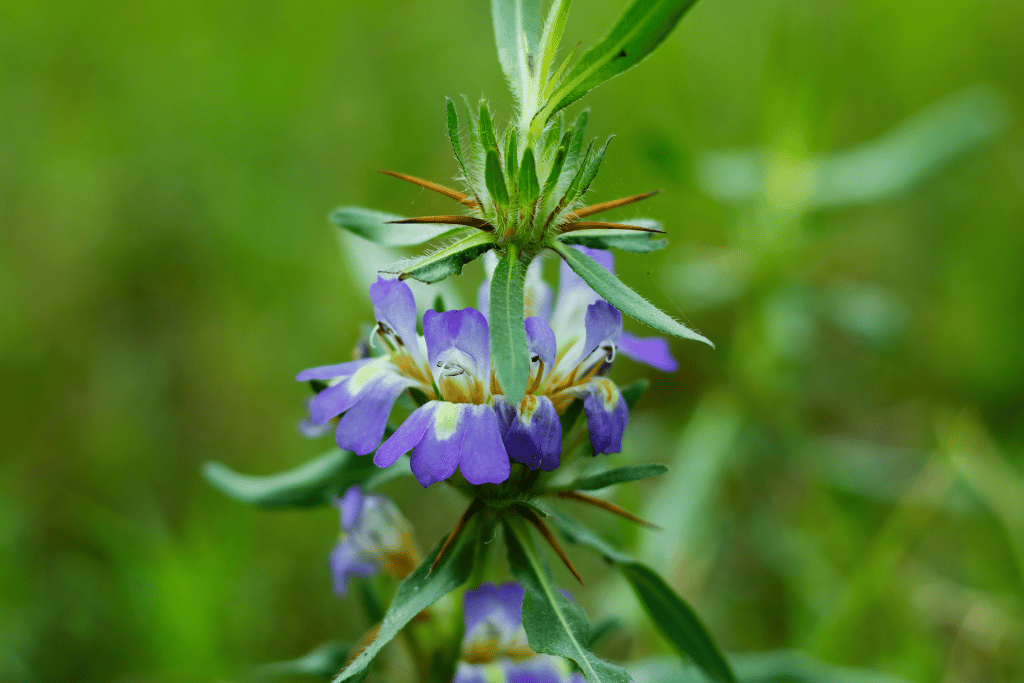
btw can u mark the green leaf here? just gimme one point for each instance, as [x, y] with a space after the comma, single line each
[512, 156]
[453, 135]
[579, 132]
[323, 662]
[593, 166]
[448, 260]
[602, 629]
[617, 475]
[556, 170]
[554, 25]
[677, 621]
[517, 28]
[486, 127]
[571, 416]
[622, 297]
[495, 180]
[638, 32]
[313, 483]
[553, 624]
[632, 392]
[417, 592]
[529, 186]
[374, 226]
[633, 241]
[552, 134]
[509, 350]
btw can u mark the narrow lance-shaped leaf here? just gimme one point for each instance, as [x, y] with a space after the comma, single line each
[495, 180]
[638, 32]
[529, 187]
[622, 297]
[553, 624]
[673, 617]
[322, 662]
[453, 135]
[677, 621]
[617, 475]
[632, 392]
[417, 592]
[517, 28]
[552, 36]
[509, 350]
[556, 169]
[625, 240]
[447, 261]
[593, 166]
[486, 126]
[378, 226]
[312, 483]
[512, 157]
[552, 134]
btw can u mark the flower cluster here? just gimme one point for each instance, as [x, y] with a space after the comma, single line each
[494, 647]
[466, 423]
[374, 536]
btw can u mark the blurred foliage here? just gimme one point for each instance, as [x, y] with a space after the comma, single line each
[846, 467]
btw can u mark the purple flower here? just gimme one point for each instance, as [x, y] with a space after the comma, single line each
[374, 536]
[460, 428]
[495, 648]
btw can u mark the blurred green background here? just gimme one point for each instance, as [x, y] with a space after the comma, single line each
[846, 224]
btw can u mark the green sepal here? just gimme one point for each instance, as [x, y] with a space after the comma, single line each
[556, 167]
[322, 662]
[486, 127]
[579, 132]
[632, 392]
[313, 483]
[617, 475]
[637, 33]
[374, 226]
[510, 352]
[554, 625]
[453, 135]
[552, 134]
[512, 158]
[448, 260]
[612, 290]
[529, 186]
[677, 621]
[417, 592]
[495, 180]
[593, 166]
[633, 241]
[439, 304]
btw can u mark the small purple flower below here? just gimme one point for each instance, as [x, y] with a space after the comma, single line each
[375, 536]
[495, 648]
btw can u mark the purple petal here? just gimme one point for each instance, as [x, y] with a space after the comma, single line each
[574, 296]
[542, 341]
[482, 458]
[501, 606]
[330, 402]
[537, 670]
[607, 415]
[461, 337]
[652, 351]
[362, 426]
[468, 673]
[436, 451]
[325, 372]
[533, 433]
[395, 307]
[407, 436]
[603, 324]
[351, 506]
[345, 564]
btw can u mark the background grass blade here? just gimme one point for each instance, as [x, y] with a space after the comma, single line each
[373, 225]
[677, 621]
